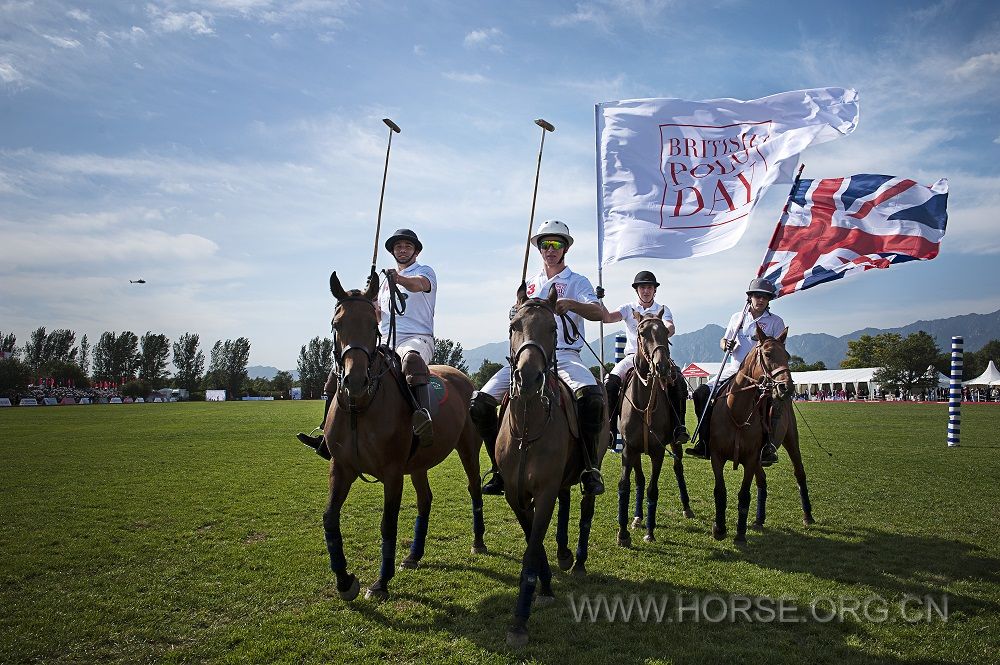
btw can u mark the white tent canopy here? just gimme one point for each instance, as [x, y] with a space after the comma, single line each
[991, 377]
[814, 381]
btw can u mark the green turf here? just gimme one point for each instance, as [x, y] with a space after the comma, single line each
[192, 533]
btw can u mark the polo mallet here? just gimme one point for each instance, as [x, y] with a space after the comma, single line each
[393, 127]
[546, 127]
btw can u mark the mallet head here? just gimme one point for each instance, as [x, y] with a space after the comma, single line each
[393, 126]
[546, 125]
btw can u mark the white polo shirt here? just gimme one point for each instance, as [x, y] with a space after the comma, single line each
[746, 332]
[632, 326]
[418, 319]
[568, 285]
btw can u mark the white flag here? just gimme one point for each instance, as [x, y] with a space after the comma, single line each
[677, 178]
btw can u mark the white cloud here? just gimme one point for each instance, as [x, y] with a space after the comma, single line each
[465, 78]
[996, 140]
[8, 73]
[488, 38]
[79, 15]
[585, 13]
[62, 42]
[419, 50]
[985, 64]
[196, 23]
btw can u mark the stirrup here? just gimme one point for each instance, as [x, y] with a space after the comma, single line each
[493, 486]
[768, 454]
[681, 434]
[423, 426]
[700, 451]
[597, 480]
[311, 439]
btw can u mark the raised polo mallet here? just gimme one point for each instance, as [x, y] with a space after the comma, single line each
[546, 127]
[393, 127]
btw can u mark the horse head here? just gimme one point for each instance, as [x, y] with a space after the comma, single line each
[653, 343]
[532, 340]
[773, 360]
[355, 326]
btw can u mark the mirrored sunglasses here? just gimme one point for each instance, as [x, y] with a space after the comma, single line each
[551, 244]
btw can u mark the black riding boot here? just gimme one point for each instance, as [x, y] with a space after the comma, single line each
[590, 407]
[769, 453]
[483, 411]
[678, 400]
[418, 379]
[700, 398]
[613, 386]
[318, 443]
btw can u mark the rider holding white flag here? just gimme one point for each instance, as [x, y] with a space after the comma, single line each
[740, 338]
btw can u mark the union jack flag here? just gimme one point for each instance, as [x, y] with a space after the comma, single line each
[840, 226]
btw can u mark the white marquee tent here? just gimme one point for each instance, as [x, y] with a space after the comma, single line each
[991, 377]
[814, 381]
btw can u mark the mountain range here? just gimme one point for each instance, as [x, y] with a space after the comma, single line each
[703, 345]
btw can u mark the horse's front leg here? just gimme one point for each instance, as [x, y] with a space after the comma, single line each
[719, 527]
[624, 498]
[761, 481]
[424, 498]
[563, 553]
[791, 444]
[640, 489]
[653, 492]
[681, 483]
[586, 521]
[341, 480]
[531, 567]
[743, 501]
[392, 492]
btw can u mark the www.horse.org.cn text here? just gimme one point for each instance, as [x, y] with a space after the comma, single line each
[714, 608]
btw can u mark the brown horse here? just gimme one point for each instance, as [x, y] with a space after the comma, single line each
[369, 432]
[758, 399]
[539, 454]
[647, 424]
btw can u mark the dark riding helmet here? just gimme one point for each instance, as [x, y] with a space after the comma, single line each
[762, 287]
[644, 277]
[403, 234]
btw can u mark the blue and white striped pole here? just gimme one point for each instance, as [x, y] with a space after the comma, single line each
[955, 393]
[619, 443]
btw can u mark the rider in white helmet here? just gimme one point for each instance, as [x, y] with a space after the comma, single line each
[740, 338]
[578, 300]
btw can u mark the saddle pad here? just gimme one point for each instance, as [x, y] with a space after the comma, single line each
[439, 393]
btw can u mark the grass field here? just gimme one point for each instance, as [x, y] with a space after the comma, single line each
[192, 532]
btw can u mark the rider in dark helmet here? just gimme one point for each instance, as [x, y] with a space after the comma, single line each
[740, 337]
[645, 286]
[414, 333]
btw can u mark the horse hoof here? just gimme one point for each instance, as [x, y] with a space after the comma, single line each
[718, 534]
[580, 570]
[517, 637]
[544, 600]
[649, 538]
[808, 520]
[565, 562]
[688, 513]
[740, 540]
[479, 549]
[637, 523]
[757, 526]
[624, 540]
[377, 593]
[409, 564]
[352, 590]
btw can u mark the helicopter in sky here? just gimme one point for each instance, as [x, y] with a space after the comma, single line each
[137, 281]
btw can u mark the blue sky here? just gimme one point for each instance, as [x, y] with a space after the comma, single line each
[230, 152]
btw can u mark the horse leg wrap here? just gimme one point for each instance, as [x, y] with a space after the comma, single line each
[640, 489]
[624, 494]
[335, 547]
[562, 524]
[478, 526]
[529, 580]
[388, 567]
[420, 536]
[761, 503]
[581, 545]
[681, 484]
[804, 495]
[650, 516]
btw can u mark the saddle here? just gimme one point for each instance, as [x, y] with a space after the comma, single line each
[563, 399]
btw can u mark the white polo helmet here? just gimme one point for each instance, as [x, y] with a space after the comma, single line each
[552, 227]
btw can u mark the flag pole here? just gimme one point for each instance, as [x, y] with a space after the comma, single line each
[746, 306]
[600, 234]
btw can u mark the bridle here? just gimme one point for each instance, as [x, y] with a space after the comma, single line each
[549, 363]
[654, 372]
[545, 394]
[766, 385]
[357, 403]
